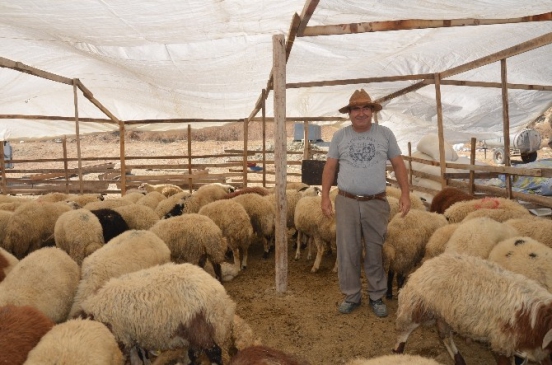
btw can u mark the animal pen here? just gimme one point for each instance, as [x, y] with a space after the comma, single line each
[190, 174]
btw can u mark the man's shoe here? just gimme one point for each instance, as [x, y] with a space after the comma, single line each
[347, 307]
[379, 308]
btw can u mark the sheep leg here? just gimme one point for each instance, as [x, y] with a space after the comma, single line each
[218, 270]
[244, 259]
[237, 261]
[320, 248]
[402, 336]
[298, 245]
[266, 247]
[400, 281]
[310, 245]
[445, 334]
[390, 276]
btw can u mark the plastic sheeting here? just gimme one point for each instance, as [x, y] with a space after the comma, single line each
[210, 59]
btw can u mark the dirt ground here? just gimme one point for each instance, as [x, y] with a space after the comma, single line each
[304, 319]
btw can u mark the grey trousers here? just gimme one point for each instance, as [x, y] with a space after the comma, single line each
[361, 226]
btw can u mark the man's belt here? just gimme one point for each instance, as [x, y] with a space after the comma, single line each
[363, 198]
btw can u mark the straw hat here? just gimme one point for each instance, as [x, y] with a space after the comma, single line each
[360, 98]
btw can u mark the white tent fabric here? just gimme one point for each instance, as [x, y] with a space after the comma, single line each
[210, 59]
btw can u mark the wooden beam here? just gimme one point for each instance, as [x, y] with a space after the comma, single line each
[306, 14]
[496, 85]
[88, 94]
[295, 22]
[367, 80]
[21, 67]
[508, 52]
[407, 24]
[53, 117]
[280, 157]
[406, 90]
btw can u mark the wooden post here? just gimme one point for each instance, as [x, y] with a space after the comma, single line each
[76, 102]
[506, 124]
[65, 164]
[263, 110]
[122, 156]
[3, 167]
[244, 156]
[190, 180]
[280, 160]
[471, 187]
[306, 142]
[410, 165]
[440, 128]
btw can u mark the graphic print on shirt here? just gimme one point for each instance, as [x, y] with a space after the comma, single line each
[362, 151]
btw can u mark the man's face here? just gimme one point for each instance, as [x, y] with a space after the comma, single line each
[361, 116]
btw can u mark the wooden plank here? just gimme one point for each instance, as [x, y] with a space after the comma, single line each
[365, 80]
[408, 24]
[21, 67]
[305, 16]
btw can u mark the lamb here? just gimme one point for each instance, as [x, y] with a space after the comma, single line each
[112, 223]
[405, 241]
[7, 263]
[128, 252]
[248, 190]
[264, 355]
[478, 236]
[107, 204]
[133, 196]
[396, 359]
[232, 219]
[77, 342]
[537, 228]
[151, 199]
[21, 328]
[458, 211]
[447, 197]
[79, 233]
[205, 195]
[32, 226]
[165, 189]
[185, 307]
[525, 256]
[262, 216]
[309, 220]
[453, 289]
[193, 238]
[165, 206]
[50, 270]
[137, 216]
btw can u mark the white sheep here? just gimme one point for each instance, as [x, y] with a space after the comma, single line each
[32, 226]
[165, 189]
[537, 228]
[206, 194]
[438, 241]
[525, 256]
[173, 306]
[79, 233]
[499, 215]
[137, 216]
[46, 279]
[396, 359]
[478, 236]
[415, 201]
[77, 341]
[262, 215]
[193, 238]
[107, 204]
[151, 199]
[320, 230]
[165, 206]
[232, 219]
[128, 252]
[476, 299]
[133, 196]
[7, 263]
[405, 241]
[458, 211]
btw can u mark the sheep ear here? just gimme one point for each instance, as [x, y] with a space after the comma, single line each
[547, 339]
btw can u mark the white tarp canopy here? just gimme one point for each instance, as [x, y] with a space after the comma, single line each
[210, 59]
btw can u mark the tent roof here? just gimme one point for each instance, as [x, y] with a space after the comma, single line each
[210, 59]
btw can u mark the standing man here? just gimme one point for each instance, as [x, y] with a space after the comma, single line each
[361, 151]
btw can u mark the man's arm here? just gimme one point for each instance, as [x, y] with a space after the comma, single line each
[402, 179]
[328, 177]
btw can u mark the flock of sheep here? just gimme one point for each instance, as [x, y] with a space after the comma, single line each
[140, 279]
